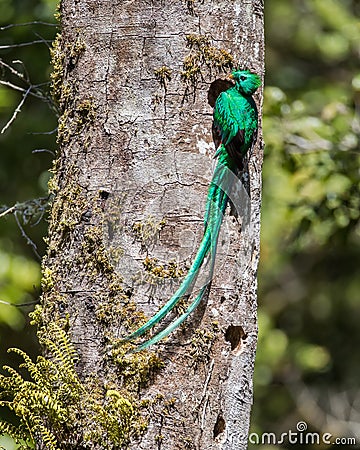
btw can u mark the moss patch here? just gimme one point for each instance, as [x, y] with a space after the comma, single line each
[147, 231]
[201, 344]
[157, 271]
[203, 59]
[163, 75]
[63, 58]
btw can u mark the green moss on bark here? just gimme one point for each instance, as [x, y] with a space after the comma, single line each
[56, 407]
[203, 59]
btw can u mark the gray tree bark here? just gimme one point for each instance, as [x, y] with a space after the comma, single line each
[130, 183]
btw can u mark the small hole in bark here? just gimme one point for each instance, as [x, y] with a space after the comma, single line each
[129, 292]
[235, 334]
[222, 299]
[219, 426]
[104, 195]
[86, 216]
[71, 65]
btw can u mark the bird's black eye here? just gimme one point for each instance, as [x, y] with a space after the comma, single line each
[242, 78]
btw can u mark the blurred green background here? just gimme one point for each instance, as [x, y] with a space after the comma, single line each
[308, 363]
[23, 174]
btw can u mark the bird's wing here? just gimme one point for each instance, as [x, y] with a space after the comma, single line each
[228, 124]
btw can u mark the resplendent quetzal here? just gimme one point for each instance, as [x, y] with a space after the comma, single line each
[234, 131]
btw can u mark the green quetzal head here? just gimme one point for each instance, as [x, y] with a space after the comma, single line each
[245, 81]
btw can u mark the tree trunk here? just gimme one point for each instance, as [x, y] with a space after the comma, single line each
[130, 184]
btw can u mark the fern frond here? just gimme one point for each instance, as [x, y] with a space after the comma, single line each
[63, 369]
[61, 348]
[66, 345]
[47, 401]
[7, 385]
[21, 353]
[50, 373]
[44, 402]
[37, 375]
[46, 435]
[16, 378]
[20, 406]
[48, 438]
[14, 432]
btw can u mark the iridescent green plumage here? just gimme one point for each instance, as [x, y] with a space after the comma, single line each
[234, 132]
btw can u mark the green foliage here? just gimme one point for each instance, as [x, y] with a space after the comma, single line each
[310, 246]
[136, 369]
[53, 405]
[23, 174]
[18, 275]
[43, 405]
[62, 55]
[316, 157]
[25, 158]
